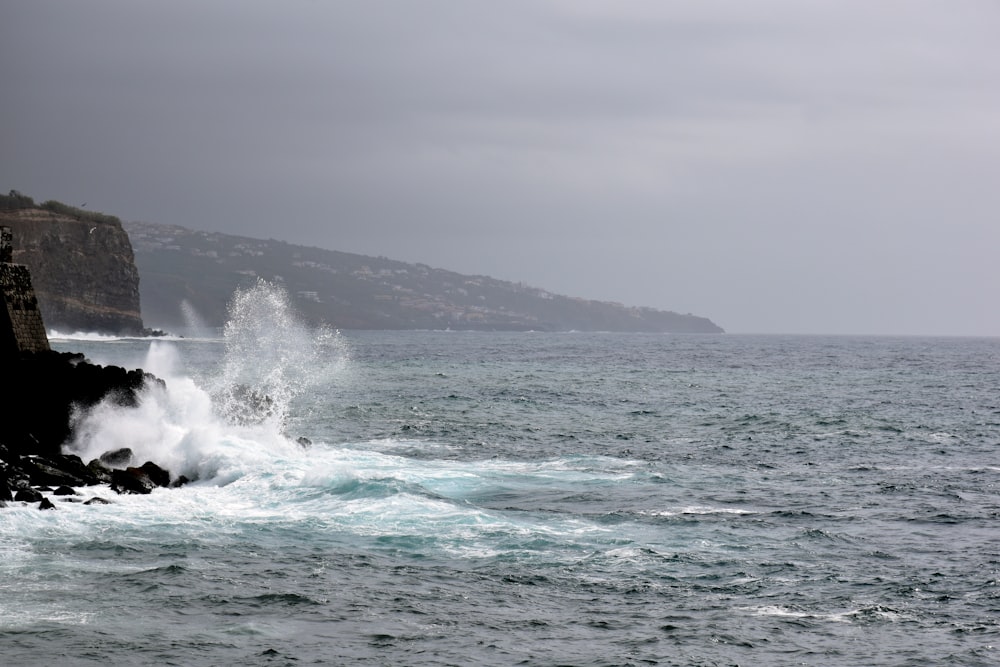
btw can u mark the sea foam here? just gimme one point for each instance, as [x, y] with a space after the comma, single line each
[229, 423]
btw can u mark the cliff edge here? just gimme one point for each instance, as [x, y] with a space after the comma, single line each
[82, 264]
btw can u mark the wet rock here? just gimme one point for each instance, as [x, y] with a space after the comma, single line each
[97, 500]
[64, 491]
[156, 474]
[131, 480]
[180, 481]
[57, 470]
[100, 472]
[28, 496]
[46, 504]
[139, 480]
[117, 458]
[49, 386]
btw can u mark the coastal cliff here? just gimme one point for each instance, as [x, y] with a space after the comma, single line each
[84, 270]
[43, 391]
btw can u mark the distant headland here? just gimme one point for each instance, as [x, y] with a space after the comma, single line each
[92, 271]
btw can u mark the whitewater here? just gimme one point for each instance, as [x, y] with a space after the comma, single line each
[458, 498]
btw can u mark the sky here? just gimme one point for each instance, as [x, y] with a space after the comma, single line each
[779, 166]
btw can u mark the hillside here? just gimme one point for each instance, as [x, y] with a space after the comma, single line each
[185, 271]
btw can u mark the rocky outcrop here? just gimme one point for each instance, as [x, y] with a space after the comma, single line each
[43, 390]
[82, 266]
[46, 389]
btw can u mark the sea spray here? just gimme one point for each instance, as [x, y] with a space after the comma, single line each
[232, 421]
[271, 356]
[194, 324]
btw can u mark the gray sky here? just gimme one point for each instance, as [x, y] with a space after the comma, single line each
[788, 166]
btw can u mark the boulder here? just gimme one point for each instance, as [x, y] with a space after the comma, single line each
[46, 504]
[139, 480]
[28, 496]
[117, 458]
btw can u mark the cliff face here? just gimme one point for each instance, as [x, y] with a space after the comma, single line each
[83, 269]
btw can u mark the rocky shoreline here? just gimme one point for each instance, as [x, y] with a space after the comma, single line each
[45, 390]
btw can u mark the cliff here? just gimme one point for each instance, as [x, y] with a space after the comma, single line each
[43, 390]
[186, 271]
[82, 265]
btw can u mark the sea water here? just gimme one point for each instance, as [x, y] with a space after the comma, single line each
[461, 498]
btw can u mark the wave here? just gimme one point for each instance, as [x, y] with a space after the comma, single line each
[232, 422]
[94, 336]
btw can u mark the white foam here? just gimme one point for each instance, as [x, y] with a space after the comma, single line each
[185, 430]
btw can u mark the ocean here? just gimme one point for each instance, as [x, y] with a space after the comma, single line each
[475, 498]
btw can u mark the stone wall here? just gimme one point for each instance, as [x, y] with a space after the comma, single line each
[21, 326]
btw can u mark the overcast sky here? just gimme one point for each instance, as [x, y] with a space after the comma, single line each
[787, 166]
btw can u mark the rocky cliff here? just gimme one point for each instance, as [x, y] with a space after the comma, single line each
[81, 263]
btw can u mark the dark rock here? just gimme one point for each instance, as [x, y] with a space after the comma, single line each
[180, 481]
[131, 480]
[64, 491]
[27, 496]
[50, 386]
[101, 473]
[156, 474]
[96, 500]
[139, 480]
[304, 441]
[58, 470]
[46, 504]
[118, 458]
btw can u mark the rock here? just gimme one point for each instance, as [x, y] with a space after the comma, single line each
[156, 474]
[118, 458]
[55, 471]
[48, 387]
[139, 480]
[46, 504]
[180, 481]
[101, 473]
[28, 496]
[131, 480]
[82, 265]
[96, 500]
[64, 491]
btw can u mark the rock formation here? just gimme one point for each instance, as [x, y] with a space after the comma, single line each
[84, 270]
[42, 389]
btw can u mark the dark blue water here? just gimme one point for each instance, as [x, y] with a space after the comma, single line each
[537, 499]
